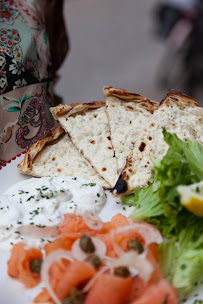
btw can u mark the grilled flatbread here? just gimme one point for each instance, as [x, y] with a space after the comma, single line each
[179, 114]
[88, 128]
[127, 113]
[56, 155]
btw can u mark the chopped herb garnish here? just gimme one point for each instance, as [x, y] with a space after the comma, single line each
[36, 212]
[44, 188]
[21, 192]
[98, 195]
[90, 184]
[38, 189]
[31, 197]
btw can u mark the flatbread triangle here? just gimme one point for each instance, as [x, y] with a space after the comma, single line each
[127, 113]
[179, 114]
[88, 128]
[56, 155]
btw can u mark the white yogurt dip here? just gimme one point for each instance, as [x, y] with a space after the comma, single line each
[31, 210]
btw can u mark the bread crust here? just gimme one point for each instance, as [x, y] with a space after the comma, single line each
[128, 96]
[179, 98]
[74, 108]
[25, 165]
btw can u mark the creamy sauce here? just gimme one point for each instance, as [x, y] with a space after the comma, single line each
[31, 210]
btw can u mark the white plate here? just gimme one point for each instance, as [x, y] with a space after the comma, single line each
[11, 291]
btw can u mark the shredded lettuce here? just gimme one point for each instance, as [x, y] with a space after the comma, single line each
[147, 204]
[128, 200]
[182, 253]
[182, 261]
[192, 151]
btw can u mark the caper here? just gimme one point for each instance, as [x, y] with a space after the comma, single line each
[86, 244]
[122, 271]
[76, 297]
[94, 260]
[136, 245]
[35, 265]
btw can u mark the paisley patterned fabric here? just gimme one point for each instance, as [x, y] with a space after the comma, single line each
[28, 66]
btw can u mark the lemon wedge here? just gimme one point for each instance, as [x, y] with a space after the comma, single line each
[191, 197]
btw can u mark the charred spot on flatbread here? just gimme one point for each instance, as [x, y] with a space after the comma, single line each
[120, 187]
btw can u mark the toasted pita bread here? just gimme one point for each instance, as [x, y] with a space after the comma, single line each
[88, 127]
[127, 113]
[56, 155]
[179, 114]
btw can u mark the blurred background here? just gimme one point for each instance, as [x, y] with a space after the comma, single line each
[146, 46]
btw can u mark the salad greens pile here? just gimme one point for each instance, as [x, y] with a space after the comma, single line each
[181, 253]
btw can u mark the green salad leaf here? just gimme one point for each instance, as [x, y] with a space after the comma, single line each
[147, 204]
[159, 204]
[191, 150]
[182, 261]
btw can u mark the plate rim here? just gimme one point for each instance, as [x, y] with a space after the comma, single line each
[10, 160]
